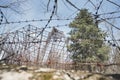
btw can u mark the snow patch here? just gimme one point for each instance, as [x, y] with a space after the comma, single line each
[15, 76]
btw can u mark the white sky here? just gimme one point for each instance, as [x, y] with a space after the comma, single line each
[36, 9]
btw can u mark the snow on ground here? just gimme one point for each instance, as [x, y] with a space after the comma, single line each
[15, 76]
[26, 73]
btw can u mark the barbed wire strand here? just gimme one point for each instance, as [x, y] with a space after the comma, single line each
[1, 17]
[54, 8]
[73, 5]
[113, 3]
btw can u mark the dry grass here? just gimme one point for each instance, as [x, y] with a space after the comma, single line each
[42, 76]
[96, 77]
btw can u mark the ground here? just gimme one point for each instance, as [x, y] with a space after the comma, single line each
[37, 73]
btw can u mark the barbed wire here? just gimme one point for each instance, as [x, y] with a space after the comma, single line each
[73, 5]
[1, 17]
[98, 7]
[54, 9]
[62, 19]
[35, 20]
[111, 24]
[92, 3]
[48, 5]
[113, 12]
[96, 13]
[113, 3]
[38, 41]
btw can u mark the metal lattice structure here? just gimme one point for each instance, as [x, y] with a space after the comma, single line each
[32, 46]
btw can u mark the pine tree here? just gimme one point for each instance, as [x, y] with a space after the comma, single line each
[86, 39]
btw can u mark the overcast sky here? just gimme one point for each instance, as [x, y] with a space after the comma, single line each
[36, 9]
